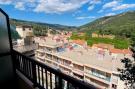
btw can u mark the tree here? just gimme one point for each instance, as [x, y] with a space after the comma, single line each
[127, 74]
[39, 30]
[133, 40]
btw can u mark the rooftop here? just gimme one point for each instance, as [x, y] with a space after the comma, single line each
[95, 58]
[24, 26]
[52, 41]
[117, 51]
[80, 42]
[92, 57]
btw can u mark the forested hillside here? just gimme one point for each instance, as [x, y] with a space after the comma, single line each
[120, 25]
[40, 29]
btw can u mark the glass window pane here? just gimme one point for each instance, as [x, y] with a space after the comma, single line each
[4, 41]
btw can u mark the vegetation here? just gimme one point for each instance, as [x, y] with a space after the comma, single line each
[118, 43]
[121, 25]
[127, 74]
[40, 31]
[39, 24]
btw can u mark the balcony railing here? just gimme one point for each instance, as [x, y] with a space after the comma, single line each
[45, 77]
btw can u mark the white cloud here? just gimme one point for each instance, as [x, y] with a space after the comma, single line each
[5, 2]
[123, 6]
[109, 14]
[110, 4]
[59, 6]
[51, 6]
[116, 5]
[47, 6]
[100, 11]
[32, 1]
[95, 1]
[76, 12]
[85, 17]
[91, 7]
[20, 5]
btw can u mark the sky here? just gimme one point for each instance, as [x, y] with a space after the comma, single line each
[65, 12]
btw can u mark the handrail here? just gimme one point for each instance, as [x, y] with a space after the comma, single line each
[44, 76]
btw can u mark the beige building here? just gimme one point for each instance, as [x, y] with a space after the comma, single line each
[103, 36]
[24, 31]
[26, 34]
[94, 66]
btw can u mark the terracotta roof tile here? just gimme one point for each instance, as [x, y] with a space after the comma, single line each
[80, 42]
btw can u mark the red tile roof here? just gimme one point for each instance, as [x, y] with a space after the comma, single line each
[127, 51]
[115, 50]
[80, 42]
[124, 51]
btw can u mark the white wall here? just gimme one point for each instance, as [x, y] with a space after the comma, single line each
[24, 33]
[121, 84]
[20, 31]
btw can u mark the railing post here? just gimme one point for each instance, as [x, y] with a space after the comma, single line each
[34, 78]
[60, 83]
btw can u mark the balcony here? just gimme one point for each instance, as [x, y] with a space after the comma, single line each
[21, 72]
[45, 77]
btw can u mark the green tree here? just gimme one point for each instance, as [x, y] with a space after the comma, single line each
[127, 74]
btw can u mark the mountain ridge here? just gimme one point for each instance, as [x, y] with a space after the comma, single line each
[113, 24]
[53, 26]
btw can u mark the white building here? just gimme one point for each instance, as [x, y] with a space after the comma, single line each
[24, 31]
[26, 34]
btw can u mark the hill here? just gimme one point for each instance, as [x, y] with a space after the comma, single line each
[39, 29]
[44, 25]
[120, 25]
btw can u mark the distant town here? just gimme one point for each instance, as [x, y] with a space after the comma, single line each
[95, 63]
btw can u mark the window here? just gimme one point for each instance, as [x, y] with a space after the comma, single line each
[23, 29]
[114, 86]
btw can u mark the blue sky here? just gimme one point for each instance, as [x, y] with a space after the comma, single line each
[65, 12]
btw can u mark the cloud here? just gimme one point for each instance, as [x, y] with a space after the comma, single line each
[110, 14]
[123, 6]
[85, 17]
[91, 7]
[116, 5]
[5, 2]
[46, 6]
[100, 11]
[110, 4]
[76, 12]
[95, 1]
[20, 6]
[51, 6]
[59, 6]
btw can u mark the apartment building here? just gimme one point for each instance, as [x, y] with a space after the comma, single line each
[26, 34]
[24, 30]
[95, 66]
[103, 36]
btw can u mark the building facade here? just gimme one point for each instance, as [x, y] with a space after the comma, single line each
[87, 65]
[26, 34]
